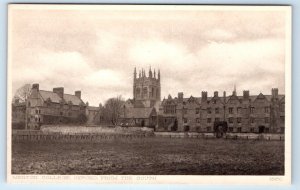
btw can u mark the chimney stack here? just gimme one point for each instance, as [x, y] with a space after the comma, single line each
[59, 91]
[204, 96]
[78, 94]
[180, 97]
[275, 93]
[246, 94]
[216, 94]
[35, 87]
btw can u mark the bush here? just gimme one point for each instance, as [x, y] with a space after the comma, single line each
[81, 119]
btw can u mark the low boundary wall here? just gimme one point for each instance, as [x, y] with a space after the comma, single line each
[22, 135]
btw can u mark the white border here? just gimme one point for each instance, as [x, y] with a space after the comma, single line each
[158, 179]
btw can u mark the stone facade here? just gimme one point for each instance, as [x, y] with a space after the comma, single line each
[142, 109]
[146, 89]
[256, 113]
[53, 107]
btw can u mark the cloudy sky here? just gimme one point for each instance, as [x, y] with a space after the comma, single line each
[96, 50]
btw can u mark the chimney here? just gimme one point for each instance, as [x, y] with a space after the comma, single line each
[216, 94]
[180, 97]
[35, 87]
[246, 94]
[204, 96]
[59, 91]
[78, 94]
[275, 93]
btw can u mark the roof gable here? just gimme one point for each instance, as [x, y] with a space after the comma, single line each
[72, 98]
[139, 113]
[53, 97]
[48, 95]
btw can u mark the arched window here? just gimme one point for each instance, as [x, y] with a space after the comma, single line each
[145, 92]
[152, 92]
[137, 92]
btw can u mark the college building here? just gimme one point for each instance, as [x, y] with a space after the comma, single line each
[260, 113]
[247, 113]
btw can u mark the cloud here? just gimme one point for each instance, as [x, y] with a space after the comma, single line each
[194, 50]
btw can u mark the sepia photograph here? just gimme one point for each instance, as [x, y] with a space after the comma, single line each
[149, 94]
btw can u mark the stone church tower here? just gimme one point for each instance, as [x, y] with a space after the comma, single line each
[146, 89]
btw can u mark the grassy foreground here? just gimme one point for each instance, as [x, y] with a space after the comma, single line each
[157, 156]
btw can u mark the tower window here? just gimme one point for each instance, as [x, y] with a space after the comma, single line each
[137, 92]
[145, 92]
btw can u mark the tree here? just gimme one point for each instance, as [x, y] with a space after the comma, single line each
[22, 93]
[81, 119]
[113, 109]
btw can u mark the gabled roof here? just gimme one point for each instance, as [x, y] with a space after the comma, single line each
[53, 97]
[93, 108]
[72, 98]
[139, 113]
[50, 95]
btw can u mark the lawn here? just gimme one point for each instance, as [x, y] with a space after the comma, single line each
[157, 156]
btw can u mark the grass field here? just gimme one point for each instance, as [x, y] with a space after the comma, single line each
[158, 156]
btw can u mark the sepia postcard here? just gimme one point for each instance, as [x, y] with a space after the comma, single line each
[149, 94]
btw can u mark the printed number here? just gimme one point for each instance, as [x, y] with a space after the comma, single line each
[275, 178]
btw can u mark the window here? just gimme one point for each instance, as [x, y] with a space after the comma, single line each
[209, 110]
[239, 119]
[39, 119]
[231, 120]
[36, 111]
[216, 110]
[208, 120]
[267, 109]
[267, 130]
[282, 107]
[208, 129]
[197, 120]
[239, 110]
[252, 130]
[230, 129]
[252, 110]
[29, 104]
[215, 101]
[70, 113]
[145, 92]
[217, 119]
[282, 129]
[239, 129]
[230, 110]
[251, 120]
[267, 120]
[184, 111]
[137, 92]
[152, 93]
[197, 110]
[185, 120]
[61, 113]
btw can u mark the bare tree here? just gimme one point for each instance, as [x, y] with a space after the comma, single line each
[112, 109]
[22, 93]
